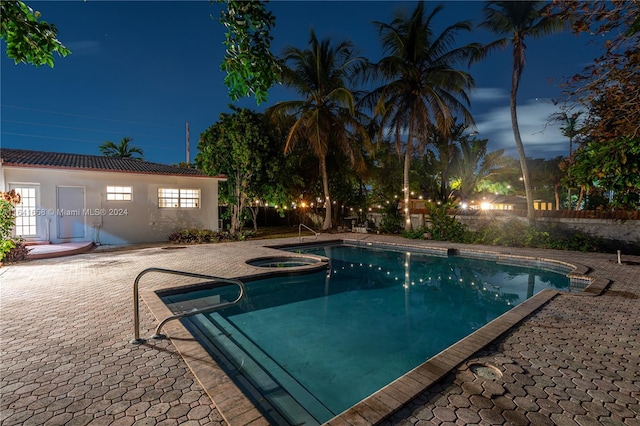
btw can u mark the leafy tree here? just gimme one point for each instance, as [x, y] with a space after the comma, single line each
[610, 89]
[239, 146]
[386, 172]
[326, 118]
[122, 150]
[610, 86]
[422, 86]
[250, 66]
[29, 39]
[611, 165]
[516, 20]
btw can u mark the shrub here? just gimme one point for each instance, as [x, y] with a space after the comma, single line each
[206, 236]
[17, 253]
[442, 228]
[516, 233]
[391, 221]
[9, 243]
[447, 228]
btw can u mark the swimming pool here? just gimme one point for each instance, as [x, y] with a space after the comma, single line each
[311, 346]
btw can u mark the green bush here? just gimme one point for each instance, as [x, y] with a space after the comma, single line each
[513, 233]
[391, 221]
[516, 233]
[17, 253]
[10, 247]
[442, 228]
[447, 228]
[206, 236]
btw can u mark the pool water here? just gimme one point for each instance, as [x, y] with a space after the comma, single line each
[314, 345]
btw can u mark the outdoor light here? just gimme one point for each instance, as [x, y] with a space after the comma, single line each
[464, 205]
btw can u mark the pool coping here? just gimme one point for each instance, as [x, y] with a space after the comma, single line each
[237, 409]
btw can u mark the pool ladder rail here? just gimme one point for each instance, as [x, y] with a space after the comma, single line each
[302, 225]
[218, 282]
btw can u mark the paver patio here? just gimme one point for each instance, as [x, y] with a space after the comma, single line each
[65, 326]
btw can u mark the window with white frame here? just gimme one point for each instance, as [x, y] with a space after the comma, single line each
[26, 212]
[178, 198]
[119, 193]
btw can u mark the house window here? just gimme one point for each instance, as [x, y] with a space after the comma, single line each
[118, 193]
[26, 212]
[178, 198]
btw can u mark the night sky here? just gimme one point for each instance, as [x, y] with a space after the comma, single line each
[143, 69]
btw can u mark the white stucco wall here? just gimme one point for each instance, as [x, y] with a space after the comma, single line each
[115, 222]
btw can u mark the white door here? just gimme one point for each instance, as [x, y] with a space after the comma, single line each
[27, 211]
[70, 212]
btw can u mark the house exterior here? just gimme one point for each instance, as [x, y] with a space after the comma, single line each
[107, 200]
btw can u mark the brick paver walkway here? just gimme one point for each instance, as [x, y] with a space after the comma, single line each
[65, 326]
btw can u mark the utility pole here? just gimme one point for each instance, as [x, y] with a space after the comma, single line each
[188, 148]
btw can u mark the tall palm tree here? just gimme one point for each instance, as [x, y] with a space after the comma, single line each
[515, 20]
[421, 85]
[122, 150]
[326, 117]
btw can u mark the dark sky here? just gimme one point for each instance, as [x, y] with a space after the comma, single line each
[143, 69]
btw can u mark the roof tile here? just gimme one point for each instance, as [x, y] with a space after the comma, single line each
[58, 160]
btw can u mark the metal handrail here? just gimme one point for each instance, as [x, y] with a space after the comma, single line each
[302, 225]
[136, 308]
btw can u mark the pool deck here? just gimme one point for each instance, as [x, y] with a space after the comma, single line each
[65, 356]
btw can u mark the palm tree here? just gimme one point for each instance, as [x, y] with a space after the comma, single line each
[422, 86]
[326, 118]
[475, 164]
[571, 129]
[121, 150]
[516, 20]
[443, 154]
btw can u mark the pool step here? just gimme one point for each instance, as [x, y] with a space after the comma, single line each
[273, 382]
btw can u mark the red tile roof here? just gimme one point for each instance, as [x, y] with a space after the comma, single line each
[58, 160]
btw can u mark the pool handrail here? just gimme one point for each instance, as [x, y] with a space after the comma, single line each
[302, 225]
[136, 308]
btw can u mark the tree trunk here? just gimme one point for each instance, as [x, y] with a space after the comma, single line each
[580, 197]
[237, 207]
[254, 216]
[556, 192]
[518, 64]
[405, 187]
[327, 199]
